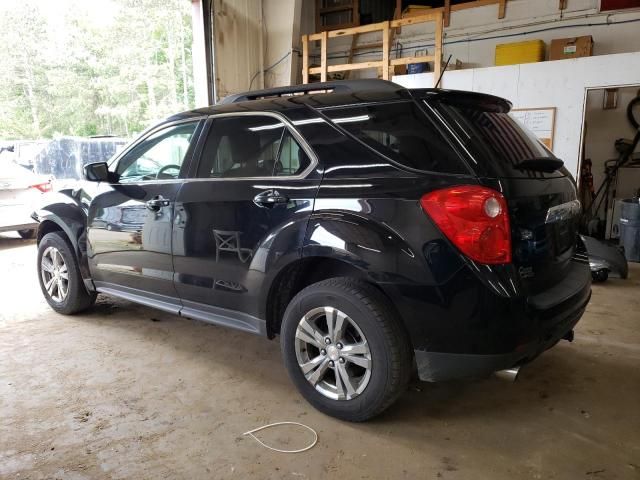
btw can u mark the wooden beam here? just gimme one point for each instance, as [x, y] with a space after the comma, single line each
[343, 67]
[305, 59]
[323, 57]
[447, 12]
[502, 11]
[385, 51]
[356, 12]
[354, 40]
[476, 4]
[408, 60]
[365, 46]
[372, 27]
[427, 17]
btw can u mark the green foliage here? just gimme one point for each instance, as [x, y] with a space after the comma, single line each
[104, 67]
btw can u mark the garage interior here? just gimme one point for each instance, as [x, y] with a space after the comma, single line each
[126, 391]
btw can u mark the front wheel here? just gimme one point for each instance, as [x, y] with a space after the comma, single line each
[59, 276]
[345, 348]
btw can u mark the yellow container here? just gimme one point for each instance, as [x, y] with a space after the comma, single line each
[520, 52]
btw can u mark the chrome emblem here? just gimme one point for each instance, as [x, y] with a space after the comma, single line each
[563, 211]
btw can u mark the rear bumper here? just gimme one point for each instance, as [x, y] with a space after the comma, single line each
[439, 366]
[16, 217]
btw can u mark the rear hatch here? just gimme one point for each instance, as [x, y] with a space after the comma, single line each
[540, 192]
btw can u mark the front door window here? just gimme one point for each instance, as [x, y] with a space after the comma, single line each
[158, 157]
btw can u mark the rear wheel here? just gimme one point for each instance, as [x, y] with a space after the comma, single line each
[27, 234]
[59, 276]
[345, 349]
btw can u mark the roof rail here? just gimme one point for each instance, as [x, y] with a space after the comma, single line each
[339, 86]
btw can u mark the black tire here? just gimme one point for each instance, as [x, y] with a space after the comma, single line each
[27, 234]
[391, 354]
[77, 298]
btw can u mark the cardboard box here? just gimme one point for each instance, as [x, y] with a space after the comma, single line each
[562, 48]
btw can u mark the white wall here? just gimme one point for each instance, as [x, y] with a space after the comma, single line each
[282, 38]
[256, 44]
[238, 44]
[561, 84]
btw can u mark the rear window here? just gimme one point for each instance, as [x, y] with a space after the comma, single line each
[496, 140]
[401, 132]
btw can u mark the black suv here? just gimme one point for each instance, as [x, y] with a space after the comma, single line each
[380, 231]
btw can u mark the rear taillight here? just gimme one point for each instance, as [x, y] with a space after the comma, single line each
[43, 187]
[475, 219]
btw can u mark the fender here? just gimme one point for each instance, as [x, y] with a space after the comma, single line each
[421, 273]
[277, 251]
[370, 246]
[67, 209]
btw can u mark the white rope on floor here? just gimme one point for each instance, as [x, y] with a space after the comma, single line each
[308, 447]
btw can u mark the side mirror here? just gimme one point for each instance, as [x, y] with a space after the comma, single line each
[97, 172]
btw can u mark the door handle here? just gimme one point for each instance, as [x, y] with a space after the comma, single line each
[269, 198]
[156, 203]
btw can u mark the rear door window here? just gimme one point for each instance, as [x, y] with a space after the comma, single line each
[250, 146]
[401, 132]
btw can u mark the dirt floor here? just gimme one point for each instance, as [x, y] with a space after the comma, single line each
[128, 392]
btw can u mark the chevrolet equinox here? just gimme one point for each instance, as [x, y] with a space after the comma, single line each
[381, 232]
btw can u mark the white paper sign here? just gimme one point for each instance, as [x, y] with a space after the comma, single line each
[540, 121]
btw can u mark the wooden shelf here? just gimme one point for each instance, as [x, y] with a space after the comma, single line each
[386, 62]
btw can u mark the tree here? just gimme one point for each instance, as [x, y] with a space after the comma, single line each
[80, 74]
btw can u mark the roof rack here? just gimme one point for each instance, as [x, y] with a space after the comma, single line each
[339, 86]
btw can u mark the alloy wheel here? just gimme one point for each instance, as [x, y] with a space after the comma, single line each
[333, 353]
[55, 274]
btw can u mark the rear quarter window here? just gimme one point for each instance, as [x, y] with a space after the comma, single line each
[401, 132]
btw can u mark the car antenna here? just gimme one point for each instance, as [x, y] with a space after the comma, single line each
[443, 70]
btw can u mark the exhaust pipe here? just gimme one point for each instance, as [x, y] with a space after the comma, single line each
[509, 374]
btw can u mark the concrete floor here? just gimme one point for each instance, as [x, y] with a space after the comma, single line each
[128, 392]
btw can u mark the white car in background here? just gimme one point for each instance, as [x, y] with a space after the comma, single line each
[20, 190]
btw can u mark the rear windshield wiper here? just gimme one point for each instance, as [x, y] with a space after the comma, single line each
[540, 164]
